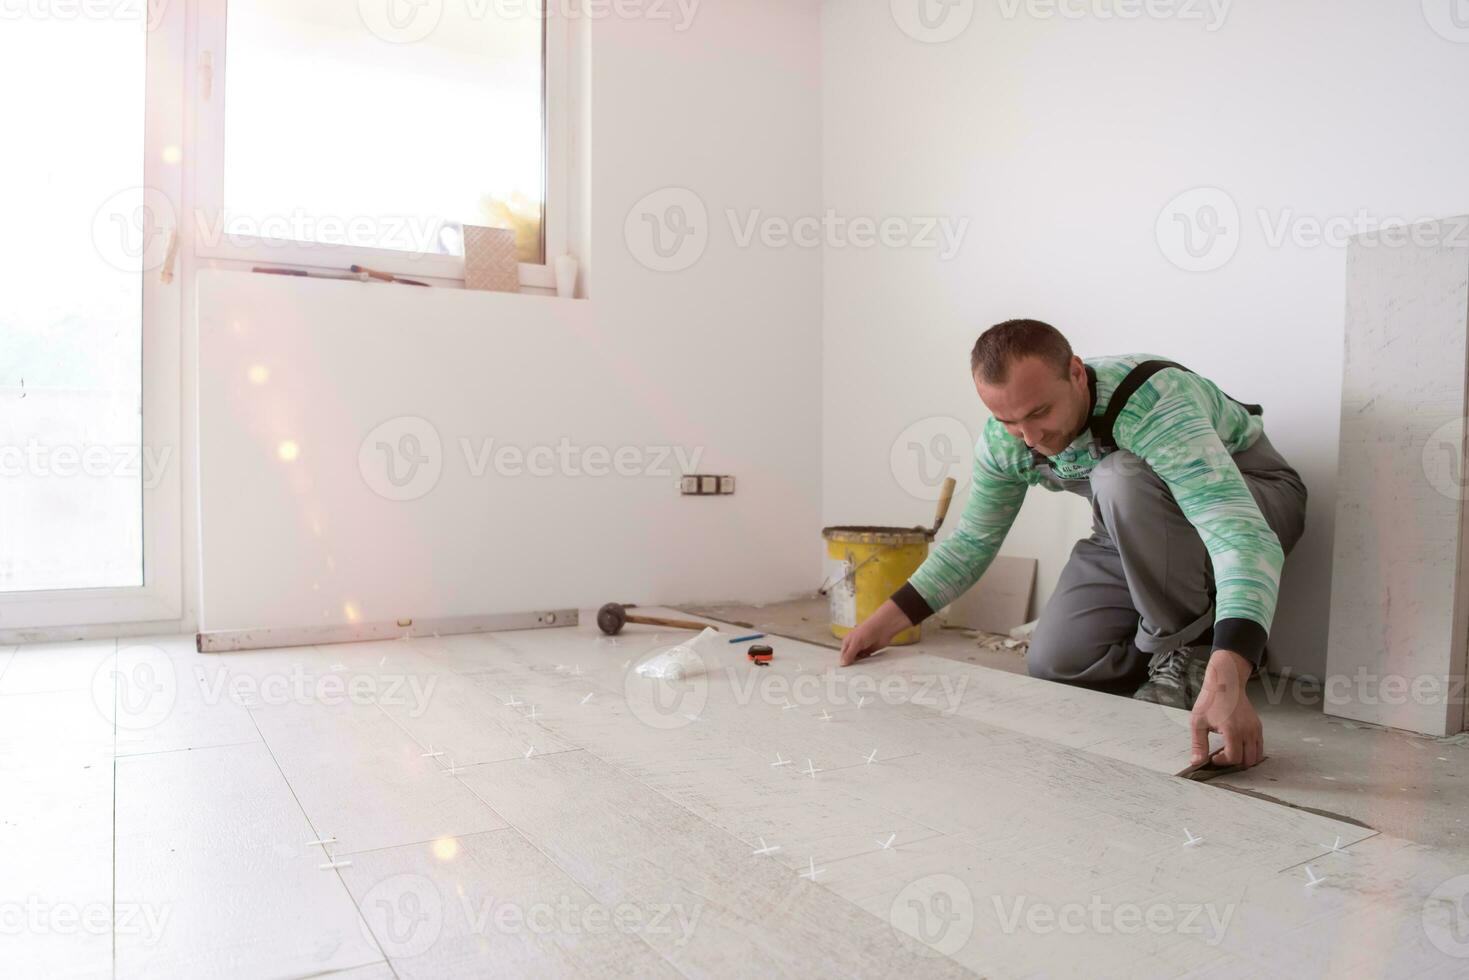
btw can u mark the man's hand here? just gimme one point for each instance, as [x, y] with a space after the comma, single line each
[1224, 707]
[874, 633]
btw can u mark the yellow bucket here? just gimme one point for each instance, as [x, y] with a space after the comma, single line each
[865, 566]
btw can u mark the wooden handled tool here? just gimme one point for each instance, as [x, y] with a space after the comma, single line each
[946, 496]
[612, 617]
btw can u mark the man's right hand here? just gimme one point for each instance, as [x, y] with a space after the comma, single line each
[874, 633]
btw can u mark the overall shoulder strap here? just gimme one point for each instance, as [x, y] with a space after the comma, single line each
[1102, 426]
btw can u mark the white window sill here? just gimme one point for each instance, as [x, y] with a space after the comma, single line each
[444, 271]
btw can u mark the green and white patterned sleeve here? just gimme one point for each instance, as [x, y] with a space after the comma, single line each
[1170, 423]
[995, 495]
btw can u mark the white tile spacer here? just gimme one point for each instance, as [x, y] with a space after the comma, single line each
[514, 702]
[764, 849]
[588, 697]
[577, 672]
[1192, 840]
[1336, 848]
[812, 870]
[321, 843]
[626, 664]
[532, 715]
[385, 659]
[872, 757]
[811, 770]
[825, 715]
[431, 754]
[861, 701]
[333, 865]
[562, 668]
[887, 845]
[788, 706]
[453, 769]
[779, 761]
[1311, 880]
[529, 751]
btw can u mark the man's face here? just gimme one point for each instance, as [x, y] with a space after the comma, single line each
[1036, 405]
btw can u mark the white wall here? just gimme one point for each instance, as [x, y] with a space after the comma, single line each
[1062, 140]
[724, 356]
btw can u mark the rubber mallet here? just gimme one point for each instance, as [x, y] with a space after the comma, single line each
[612, 617]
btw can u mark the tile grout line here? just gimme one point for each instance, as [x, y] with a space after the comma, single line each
[114, 811]
[5, 664]
[584, 886]
[521, 834]
[638, 781]
[361, 922]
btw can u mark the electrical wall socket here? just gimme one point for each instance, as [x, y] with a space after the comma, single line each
[701, 485]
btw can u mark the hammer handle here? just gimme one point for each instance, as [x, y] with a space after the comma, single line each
[678, 624]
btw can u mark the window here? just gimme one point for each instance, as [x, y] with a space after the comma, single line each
[89, 518]
[336, 132]
[71, 319]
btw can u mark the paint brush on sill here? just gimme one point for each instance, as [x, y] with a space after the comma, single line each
[305, 274]
[386, 276]
[358, 273]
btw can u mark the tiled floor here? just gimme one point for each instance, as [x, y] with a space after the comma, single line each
[527, 804]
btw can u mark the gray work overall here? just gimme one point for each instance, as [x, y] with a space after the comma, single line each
[1142, 584]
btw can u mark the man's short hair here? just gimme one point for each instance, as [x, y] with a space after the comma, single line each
[1005, 343]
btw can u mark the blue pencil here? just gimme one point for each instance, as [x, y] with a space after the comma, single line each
[746, 639]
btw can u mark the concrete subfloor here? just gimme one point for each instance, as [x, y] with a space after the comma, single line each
[1403, 784]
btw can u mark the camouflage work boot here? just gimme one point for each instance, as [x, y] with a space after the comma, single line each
[1175, 678]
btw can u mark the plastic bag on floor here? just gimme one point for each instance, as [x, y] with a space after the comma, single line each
[684, 660]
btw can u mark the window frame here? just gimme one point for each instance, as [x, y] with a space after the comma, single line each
[211, 95]
[160, 598]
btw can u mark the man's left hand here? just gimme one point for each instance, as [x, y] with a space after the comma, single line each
[1224, 707]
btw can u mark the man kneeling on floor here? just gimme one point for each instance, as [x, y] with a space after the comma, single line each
[1193, 513]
